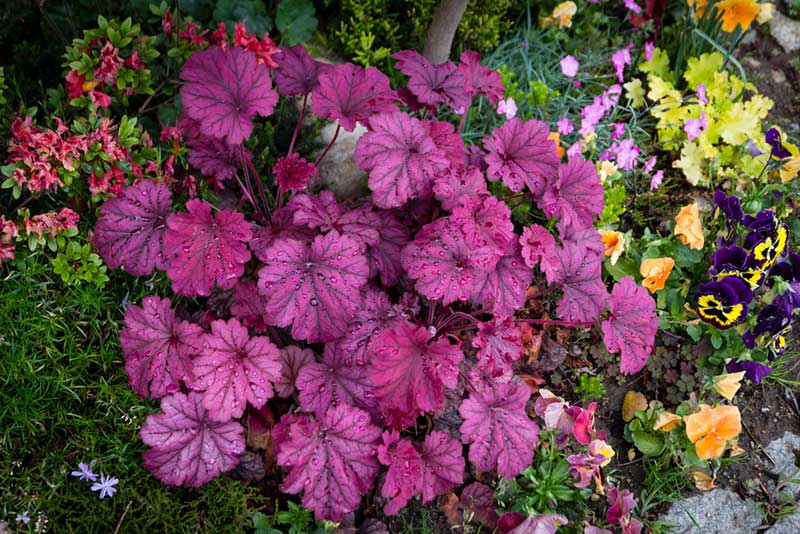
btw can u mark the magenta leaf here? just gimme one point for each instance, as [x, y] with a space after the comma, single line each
[538, 245]
[442, 465]
[499, 344]
[216, 158]
[433, 84]
[375, 314]
[445, 264]
[409, 372]
[384, 257]
[401, 159]
[202, 249]
[479, 499]
[631, 327]
[575, 197]
[296, 71]
[503, 290]
[323, 213]
[158, 347]
[449, 187]
[189, 448]
[330, 460]
[578, 273]
[448, 141]
[293, 359]
[281, 226]
[351, 94]
[130, 230]
[248, 306]
[520, 154]
[234, 369]
[499, 431]
[487, 221]
[313, 288]
[480, 79]
[333, 382]
[404, 474]
[224, 90]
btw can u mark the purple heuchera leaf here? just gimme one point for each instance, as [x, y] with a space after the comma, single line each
[479, 499]
[202, 249]
[248, 306]
[281, 226]
[575, 197]
[631, 327]
[313, 288]
[449, 187]
[442, 465]
[486, 220]
[445, 138]
[499, 344]
[188, 447]
[296, 71]
[130, 230]
[351, 94]
[235, 369]
[401, 159]
[433, 84]
[158, 347]
[384, 257]
[293, 359]
[224, 90]
[538, 245]
[445, 264]
[540, 524]
[323, 213]
[480, 79]
[578, 273]
[216, 158]
[499, 431]
[404, 474]
[330, 460]
[334, 381]
[410, 372]
[375, 314]
[520, 154]
[503, 290]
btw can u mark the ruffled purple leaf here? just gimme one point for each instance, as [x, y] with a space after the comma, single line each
[375, 314]
[520, 154]
[503, 291]
[448, 141]
[479, 79]
[296, 72]
[384, 257]
[404, 474]
[293, 359]
[433, 84]
[486, 220]
[216, 158]
[577, 272]
[499, 344]
[281, 226]
[449, 187]
[575, 197]
[248, 306]
[442, 465]
[323, 213]
[631, 327]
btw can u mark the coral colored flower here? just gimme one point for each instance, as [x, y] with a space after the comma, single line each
[555, 137]
[614, 242]
[569, 66]
[689, 226]
[562, 15]
[655, 272]
[738, 13]
[728, 384]
[711, 428]
[667, 421]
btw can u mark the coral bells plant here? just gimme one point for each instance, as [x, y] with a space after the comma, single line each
[391, 325]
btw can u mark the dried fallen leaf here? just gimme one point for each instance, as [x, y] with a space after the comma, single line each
[633, 402]
[448, 503]
[631, 454]
[702, 481]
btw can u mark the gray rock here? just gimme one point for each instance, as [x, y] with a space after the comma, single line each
[787, 525]
[715, 512]
[338, 170]
[783, 451]
[786, 31]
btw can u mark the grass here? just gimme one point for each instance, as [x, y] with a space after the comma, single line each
[64, 398]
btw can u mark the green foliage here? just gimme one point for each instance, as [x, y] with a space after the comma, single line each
[253, 14]
[616, 200]
[77, 263]
[590, 387]
[296, 21]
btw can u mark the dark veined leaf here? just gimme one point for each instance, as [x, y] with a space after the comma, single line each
[520, 154]
[631, 327]
[297, 72]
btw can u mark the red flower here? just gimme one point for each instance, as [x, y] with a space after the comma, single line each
[263, 49]
[292, 173]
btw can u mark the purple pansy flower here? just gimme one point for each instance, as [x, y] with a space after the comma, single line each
[754, 371]
[773, 138]
[724, 303]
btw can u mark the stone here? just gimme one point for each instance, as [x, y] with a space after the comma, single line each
[338, 171]
[783, 451]
[787, 525]
[786, 31]
[718, 511]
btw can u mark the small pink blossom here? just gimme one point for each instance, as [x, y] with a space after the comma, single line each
[695, 127]
[569, 66]
[655, 181]
[507, 107]
[649, 48]
[620, 59]
[701, 93]
[649, 165]
[565, 126]
[625, 153]
[575, 150]
[617, 130]
[632, 6]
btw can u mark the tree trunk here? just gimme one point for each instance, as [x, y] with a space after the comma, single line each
[443, 28]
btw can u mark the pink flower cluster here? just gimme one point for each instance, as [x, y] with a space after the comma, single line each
[51, 223]
[104, 76]
[602, 104]
[8, 232]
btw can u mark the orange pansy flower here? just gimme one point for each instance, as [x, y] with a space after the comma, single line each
[667, 421]
[614, 242]
[562, 15]
[655, 272]
[689, 226]
[711, 428]
[738, 13]
[728, 384]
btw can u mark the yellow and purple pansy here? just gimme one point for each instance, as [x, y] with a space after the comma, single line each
[724, 303]
[734, 261]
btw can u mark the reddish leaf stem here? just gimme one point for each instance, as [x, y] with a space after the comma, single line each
[257, 179]
[463, 120]
[249, 188]
[333, 140]
[570, 324]
[512, 197]
[299, 123]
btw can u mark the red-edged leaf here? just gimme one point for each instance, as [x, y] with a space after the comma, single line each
[575, 197]
[448, 141]
[499, 431]
[351, 94]
[202, 249]
[631, 327]
[410, 373]
[503, 290]
[214, 157]
[404, 474]
[234, 369]
[322, 212]
[450, 186]
[401, 159]
[189, 448]
[433, 84]
[313, 288]
[578, 273]
[158, 347]
[130, 230]
[480, 79]
[520, 154]
[224, 90]
[375, 314]
[293, 359]
[248, 306]
[538, 245]
[296, 72]
[445, 264]
[499, 344]
[334, 381]
[442, 465]
[384, 257]
[331, 460]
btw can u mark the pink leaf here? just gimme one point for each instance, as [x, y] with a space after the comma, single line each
[578, 272]
[401, 158]
[293, 359]
[631, 327]
[433, 84]
[296, 72]
[189, 448]
[500, 434]
[216, 158]
[486, 221]
[281, 226]
[479, 499]
[442, 465]
[330, 460]
[313, 288]
[323, 213]
[538, 245]
[333, 382]
[575, 197]
[375, 314]
[225, 89]
[234, 369]
[520, 154]
[351, 94]
[499, 344]
[404, 475]
[202, 249]
[248, 306]
[385, 255]
[480, 79]
[448, 141]
[409, 372]
[503, 290]
[158, 347]
[130, 230]
[450, 186]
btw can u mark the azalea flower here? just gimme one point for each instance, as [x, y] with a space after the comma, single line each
[689, 227]
[106, 486]
[562, 15]
[507, 107]
[666, 421]
[569, 66]
[738, 13]
[614, 242]
[728, 384]
[84, 472]
[711, 428]
[655, 272]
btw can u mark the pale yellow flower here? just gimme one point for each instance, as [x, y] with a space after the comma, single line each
[728, 384]
[765, 13]
[614, 242]
[562, 15]
[667, 421]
